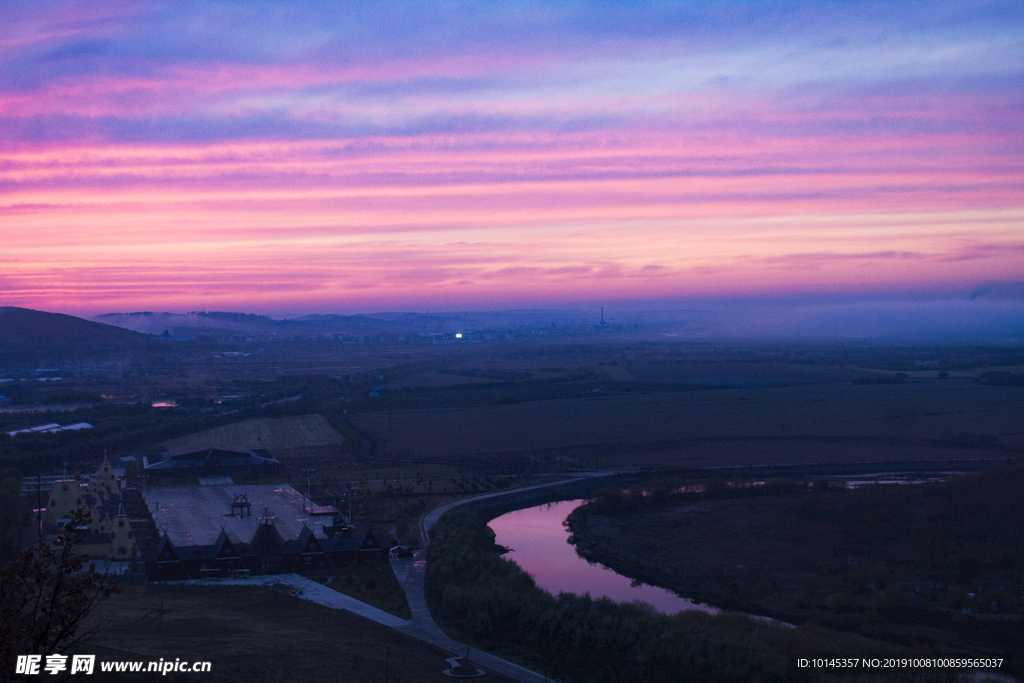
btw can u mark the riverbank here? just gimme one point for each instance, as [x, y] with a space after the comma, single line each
[900, 563]
[537, 540]
[494, 604]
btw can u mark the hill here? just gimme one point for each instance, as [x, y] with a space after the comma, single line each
[37, 337]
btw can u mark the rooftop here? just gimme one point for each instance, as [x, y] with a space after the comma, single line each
[194, 515]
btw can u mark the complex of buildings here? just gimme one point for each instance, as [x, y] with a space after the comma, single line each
[210, 460]
[267, 552]
[110, 535]
[122, 528]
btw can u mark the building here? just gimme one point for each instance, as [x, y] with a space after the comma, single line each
[209, 460]
[51, 428]
[110, 535]
[267, 552]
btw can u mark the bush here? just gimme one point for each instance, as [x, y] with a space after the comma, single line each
[47, 592]
[607, 499]
[776, 486]
[839, 602]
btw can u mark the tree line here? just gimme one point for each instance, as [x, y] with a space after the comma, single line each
[577, 638]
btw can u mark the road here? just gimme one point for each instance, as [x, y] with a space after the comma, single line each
[411, 573]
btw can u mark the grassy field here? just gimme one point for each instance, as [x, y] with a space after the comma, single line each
[680, 425]
[894, 563]
[273, 434]
[254, 635]
[374, 584]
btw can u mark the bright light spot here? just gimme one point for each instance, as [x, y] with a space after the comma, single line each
[458, 335]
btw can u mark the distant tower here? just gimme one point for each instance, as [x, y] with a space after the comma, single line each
[603, 323]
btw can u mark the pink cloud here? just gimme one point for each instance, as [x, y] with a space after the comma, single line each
[478, 217]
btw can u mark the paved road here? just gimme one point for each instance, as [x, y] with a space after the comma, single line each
[428, 520]
[410, 573]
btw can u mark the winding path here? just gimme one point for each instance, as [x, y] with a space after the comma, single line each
[411, 574]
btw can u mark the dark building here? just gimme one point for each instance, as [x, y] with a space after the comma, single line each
[266, 553]
[209, 460]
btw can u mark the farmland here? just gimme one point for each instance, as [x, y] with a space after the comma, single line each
[705, 426]
[273, 434]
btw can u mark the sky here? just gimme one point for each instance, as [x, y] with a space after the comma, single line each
[304, 157]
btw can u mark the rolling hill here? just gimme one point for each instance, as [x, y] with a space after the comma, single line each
[40, 338]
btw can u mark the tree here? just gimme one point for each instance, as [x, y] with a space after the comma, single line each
[46, 593]
[10, 507]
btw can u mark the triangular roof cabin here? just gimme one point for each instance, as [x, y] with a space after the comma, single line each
[224, 549]
[308, 542]
[266, 540]
[165, 551]
[369, 541]
[306, 551]
[165, 564]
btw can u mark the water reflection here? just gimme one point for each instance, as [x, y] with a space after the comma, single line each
[540, 545]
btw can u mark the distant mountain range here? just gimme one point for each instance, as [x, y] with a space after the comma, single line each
[39, 338]
[43, 338]
[54, 338]
[221, 324]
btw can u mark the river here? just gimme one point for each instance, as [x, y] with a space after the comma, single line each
[540, 545]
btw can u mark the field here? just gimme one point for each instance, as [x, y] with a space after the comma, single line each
[708, 426]
[254, 635]
[374, 584]
[273, 434]
[932, 565]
